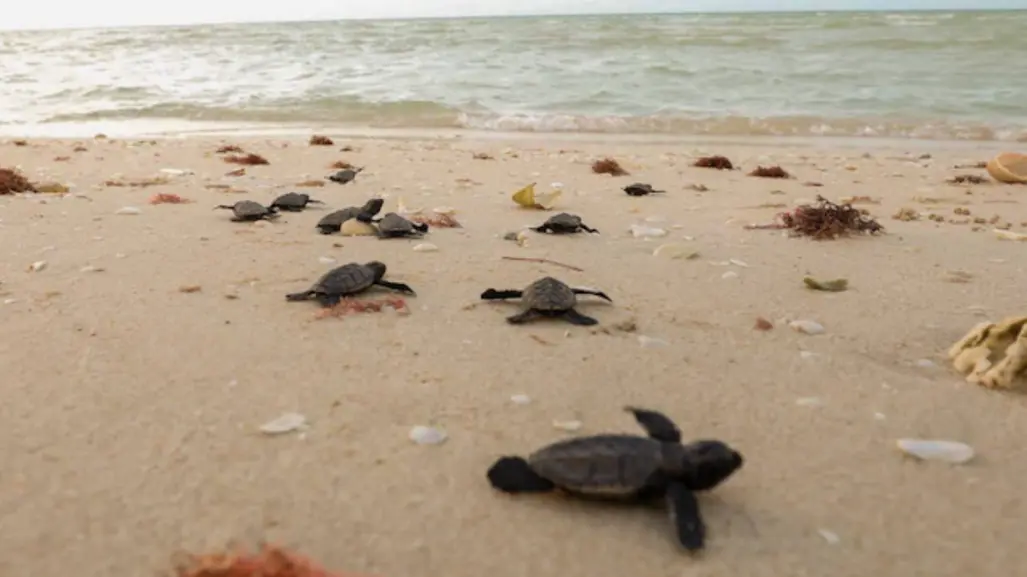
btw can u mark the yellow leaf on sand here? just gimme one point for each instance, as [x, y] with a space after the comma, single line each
[528, 198]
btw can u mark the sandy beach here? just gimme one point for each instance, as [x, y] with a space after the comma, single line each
[132, 409]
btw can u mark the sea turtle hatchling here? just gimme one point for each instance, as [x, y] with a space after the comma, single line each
[564, 223]
[348, 279]
[248, 210]
[628, 467]
[293, 201]
[345, 176]
[393, 225]
[641, 189]
[547, 297]
[332, 222]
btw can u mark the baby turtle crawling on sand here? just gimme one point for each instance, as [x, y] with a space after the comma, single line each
[628, 467]
[393, 225]
[293, 201]
[348, 279]
[641, 189]
[345, 176]
[547, 297]
[564, 223]
[247, 210]
[332, 222]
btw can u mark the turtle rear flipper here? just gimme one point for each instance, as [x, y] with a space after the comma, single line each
[543, 228]
[598, 293]
[683, 507]
[396, 286]
[524, 317]
[575, 318]
[421, 227]
[494, 295]
[514, 475]
[656, 424]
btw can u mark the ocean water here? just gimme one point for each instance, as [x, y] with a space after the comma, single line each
[931, 75]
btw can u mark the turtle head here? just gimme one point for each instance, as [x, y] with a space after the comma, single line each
[708, 463]
[378, 267]
[373, 206]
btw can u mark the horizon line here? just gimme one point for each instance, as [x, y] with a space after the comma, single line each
[509, 16]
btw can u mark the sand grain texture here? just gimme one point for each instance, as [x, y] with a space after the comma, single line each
[132, 409]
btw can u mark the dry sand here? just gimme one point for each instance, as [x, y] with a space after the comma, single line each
[131, 410]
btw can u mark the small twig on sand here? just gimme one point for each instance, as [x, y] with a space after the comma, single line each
[542, 261]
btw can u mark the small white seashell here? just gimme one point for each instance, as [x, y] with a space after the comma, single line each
[128, 210]
[91, 268]
[427, 435]
[286, 423]
[737, 262]
[647, 232]
[37, 266]
[810, 402]
[729, 274]
[936, 450]
[448, 210]
[651, 342]
[925, 364]
[325, 260]
[176, 171]
[674, 251]
[425, 247]
[807, 327]
[567, 425]
[520, 399]
[830, 536]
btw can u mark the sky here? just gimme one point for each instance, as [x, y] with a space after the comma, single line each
[34, 14]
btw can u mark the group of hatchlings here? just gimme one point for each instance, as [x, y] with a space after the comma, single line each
[606, 466]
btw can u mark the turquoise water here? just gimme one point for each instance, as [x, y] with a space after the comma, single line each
[958, 75]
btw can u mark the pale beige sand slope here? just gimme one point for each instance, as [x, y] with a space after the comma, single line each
[130, 409]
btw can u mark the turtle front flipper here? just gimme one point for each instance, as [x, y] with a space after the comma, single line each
[494, 295]
[314, 201]
[542, 228]
[587, 228]
[300, 296]
[396, 286]
[575, 318]
[600, 294]
[656, 424]
[524, 317]
[514, 475]
[683, 508]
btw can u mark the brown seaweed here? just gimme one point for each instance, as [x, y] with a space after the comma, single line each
[228, 148]
[718, 162]
[341, 165]
[248, 159]
[321, 140]
[268, 561]
[827, 220]
[770, 172]
[12, 181]
[608, 166]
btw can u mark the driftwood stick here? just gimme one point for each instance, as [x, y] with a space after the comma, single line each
[542, 261]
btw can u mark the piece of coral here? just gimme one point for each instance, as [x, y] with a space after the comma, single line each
[993, 355]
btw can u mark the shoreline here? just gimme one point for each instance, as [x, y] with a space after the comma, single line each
[178, 130]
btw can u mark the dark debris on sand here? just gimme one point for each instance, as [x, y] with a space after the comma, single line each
[228, 148]
[321, 140]
[770, 172]
[968, 179]
[608, 166]
[247, 159]
[341, 165]
[11, 182]
[718, 162]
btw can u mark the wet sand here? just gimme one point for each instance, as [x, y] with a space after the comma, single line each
[132, 409]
